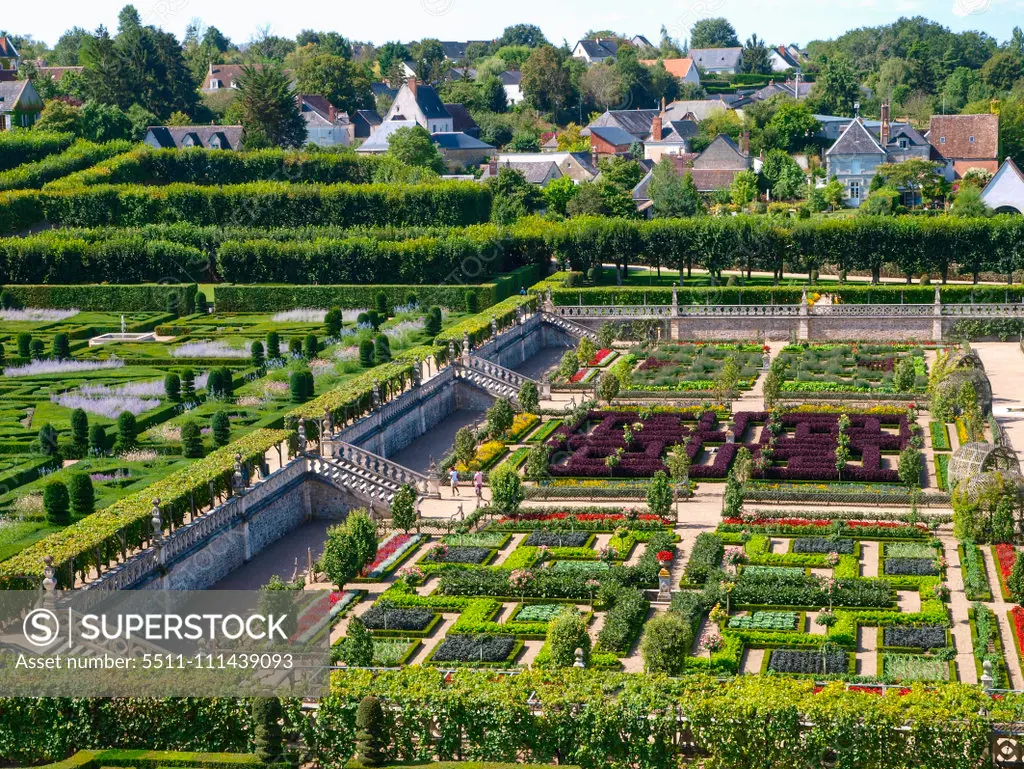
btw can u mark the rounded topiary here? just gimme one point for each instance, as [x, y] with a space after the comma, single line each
[37, 349]
[46, 441]
[61, 347]
[363, 319]
[374, 319]
[666, 644]
[24, 342]
[273, 345]
[268, 738]
[82, 494]
[8, 300]
[256, 355]
[432, 322]
[567, 633]
[472, 303]
[366, 353]
[202, 306]
[127, 433]
[295, 347]
[382, 349]
[173, 304]
[97, 440]
[191, 440]
[172, 387]
[333, 322]
[297, 386]
[214, 383]
[411, 299]
[311, 346]
[380, 303]
[221, 426]
[56, 503]
[371, 732]
[80, 432]
[188, 384]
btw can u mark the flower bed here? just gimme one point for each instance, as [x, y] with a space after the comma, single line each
[392, 653]
[849, 368]
[914, 667]
[921, 637]
[585, 521]
[765, 620]
[390, 552]
[832, 663]
[558, 539]
[583, 376]
[769, 571]
[486, 455]
[545, 431]
[602, 357]
[910, 550]
[393, 619]
[492, 540]
[693, 366]
[1017, 625]
[447, 554]
[802, 527]
[522, 425]
[823, 545]
[911, 567]
[1005, 555]
[580, 567]
[539, 612]
[942, 472]
[781, 589]
[975, 578]
[477, 648]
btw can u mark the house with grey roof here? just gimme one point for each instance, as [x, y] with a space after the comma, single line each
[213, 137]
[512, 80]
[539, 172]
[782, 59]
[462, 120]
[716, 167]
[10, 59]
[595, 51]
[578, 166]
[325, 125]
[20, 104]
[672, 138]
[461, 150]
[700, 109]
[420, 104]
[378, 142]
[725, 61]
[1005, 193]
[636, 122]
[365, 122]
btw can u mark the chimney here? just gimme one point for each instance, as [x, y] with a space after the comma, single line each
[413, 84]
[492, 166]
[884, 133]
[594, 157]
[662, 103]
[332, 113]
[745, 142]
[656, 126]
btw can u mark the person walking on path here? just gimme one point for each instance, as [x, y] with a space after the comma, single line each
[478, 485]
[455, 482]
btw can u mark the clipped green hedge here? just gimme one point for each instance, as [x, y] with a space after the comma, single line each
[197, 165]
[261, 204]
[79, 155]
[77, 547]
[19, 147]
[146, 297]
[479, 326]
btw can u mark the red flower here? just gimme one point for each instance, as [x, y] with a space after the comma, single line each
[599, 356]
[385, 551]
[665, 556]
[578, 376]
[1018, 622]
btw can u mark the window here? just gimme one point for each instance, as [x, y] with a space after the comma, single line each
[903, 144]
[214, 85]
[854, 190]
[942, 140]
[972, 140]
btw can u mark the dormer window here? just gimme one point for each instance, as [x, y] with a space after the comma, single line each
[214, 84]
[972, 140]
[942, 140]
[903, 144]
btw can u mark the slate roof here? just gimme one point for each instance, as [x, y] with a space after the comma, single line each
[897, 130]
[225, 73]
[679, 131]
[613, 135]
[957, 131]
[369, 115]
[453, 51]
[536, 172]
[462, 120]
[722, 154]
[457, 140]
[314, 106]
[716, 58]
[170, 137]
[510, 77]
[642, 190]
[430, 103]
[383, 89]
[599, 50]
[462, 74]
[856, 140]
[701, 108]
[787, 88]
[12, 91]
[7, 49]
[378, 141]
[636, 122]
[708, 181]
[786, 56]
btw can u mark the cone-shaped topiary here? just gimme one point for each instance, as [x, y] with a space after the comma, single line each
[371, 741]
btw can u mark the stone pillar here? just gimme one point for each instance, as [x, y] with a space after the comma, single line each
[465, 348]
[664, 585]
[302, 435]
[804, 329]
[675, 300]
[545, 387]
[157, 524]
[433, 481]
[937, 317]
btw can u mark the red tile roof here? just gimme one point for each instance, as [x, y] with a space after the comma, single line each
[951, 136]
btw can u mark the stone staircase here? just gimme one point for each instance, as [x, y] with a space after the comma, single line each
[369, 477]
[490, 377]
[572, 328]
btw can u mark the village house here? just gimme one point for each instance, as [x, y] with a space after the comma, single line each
[10, 60]
[783, 59]
[20, 104]
[672, 138]
[536, 166]
[420, 104]
[325, 125]
[1005, 193]
[683, 68]
[964, 142]
[722, 61]
[212, 137]
[512, 81]
[606, 141]
[595, 51]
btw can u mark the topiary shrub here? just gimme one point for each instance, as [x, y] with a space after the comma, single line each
[371, 732]
[61, 347]
[82, 494]
[666, 644]
[472, 303]
[37, 348]
[79, 433]
[366, 353]
[202, 306]
[295, 347]
[220, 383]
[268, 738]
[432, 325]
[172, 387]
[221, 427]
[7, 300]
[380, 304]
[567, 633]
[273, 345]
[357, 648]
[191, 440]
[97, 440]
[188, 384]
[56, 503]
[127, 433]
[382, 349]
[24, 345]
[297, 386]
[333, 322]
[256, 355]
[310, 346]
[46, 441]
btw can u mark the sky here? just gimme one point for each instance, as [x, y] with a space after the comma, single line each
[776, 21]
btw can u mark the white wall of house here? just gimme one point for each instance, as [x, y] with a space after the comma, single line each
[513, 94]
